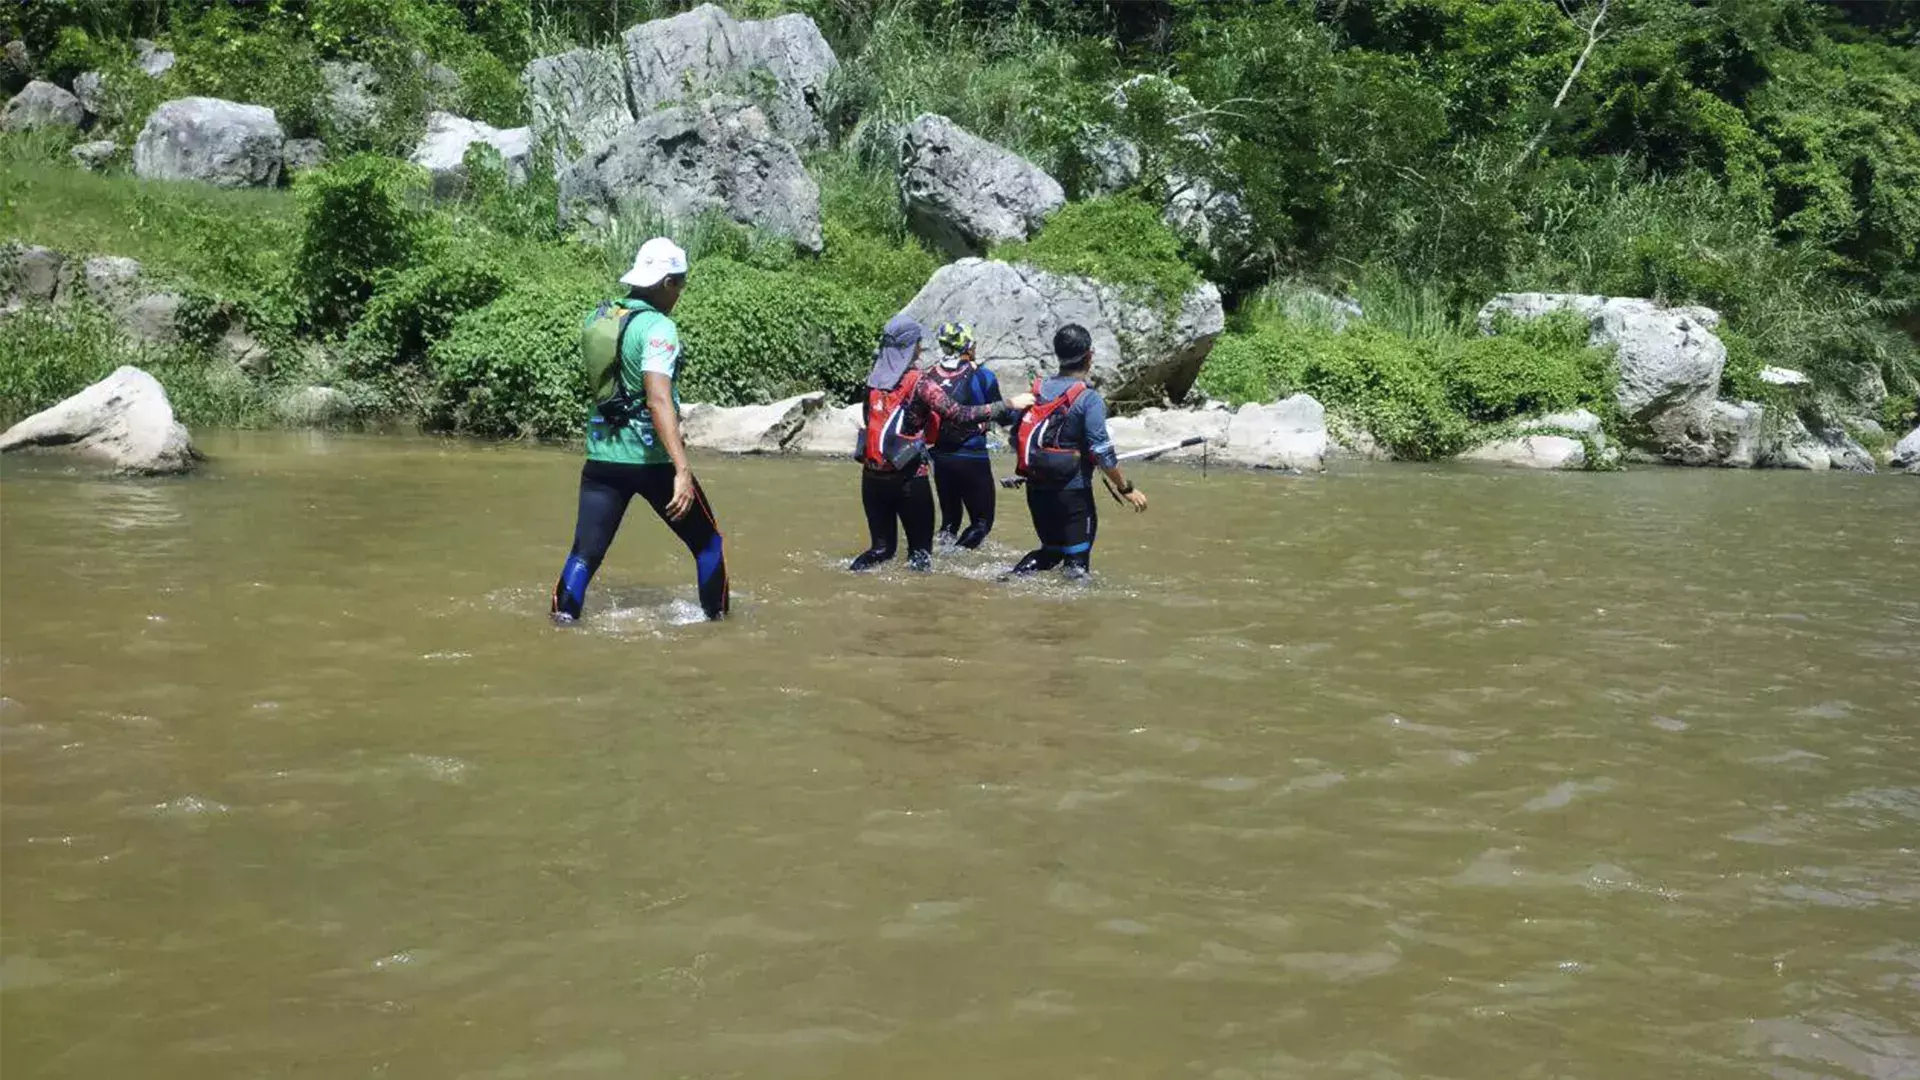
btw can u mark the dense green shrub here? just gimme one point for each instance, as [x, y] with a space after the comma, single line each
[1390, 384]
[860, 197]
[490, 91]
[414, 307]
[758, 335]
[359, 217]
[1118, 240]
[888, 272]
[1532, 366]
[219, 55]
[511, 369]
[1499, 378]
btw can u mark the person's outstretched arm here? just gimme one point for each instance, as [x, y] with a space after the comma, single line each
[1099, 446]
[930, 397]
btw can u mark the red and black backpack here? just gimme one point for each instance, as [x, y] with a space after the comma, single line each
[888, 443]
[1037, 452]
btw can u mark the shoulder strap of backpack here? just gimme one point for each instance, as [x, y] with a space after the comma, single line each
[620, 350]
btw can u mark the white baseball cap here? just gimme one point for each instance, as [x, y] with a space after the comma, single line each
[658, 258]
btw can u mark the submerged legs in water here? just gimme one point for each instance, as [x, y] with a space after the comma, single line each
[605, 491]
[1066, 520]
[965, 482]
[892, 503]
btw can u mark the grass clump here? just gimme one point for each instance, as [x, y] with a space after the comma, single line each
[54, 353]
[1422, 397]
[1118, 240]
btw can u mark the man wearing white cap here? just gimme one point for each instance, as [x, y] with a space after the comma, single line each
[631, 351]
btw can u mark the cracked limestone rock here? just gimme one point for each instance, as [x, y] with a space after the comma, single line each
[1143, 353]
[782, 64]
[965, 194]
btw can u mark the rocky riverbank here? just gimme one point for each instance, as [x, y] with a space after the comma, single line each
[126, 424]
[702, 122]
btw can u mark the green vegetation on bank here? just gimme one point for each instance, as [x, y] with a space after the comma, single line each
[1761, 157]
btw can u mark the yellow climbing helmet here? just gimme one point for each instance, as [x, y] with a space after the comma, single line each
[955, 338]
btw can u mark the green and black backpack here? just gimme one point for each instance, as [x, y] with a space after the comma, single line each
[601, 356]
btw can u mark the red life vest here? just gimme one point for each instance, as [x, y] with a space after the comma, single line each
[888, 444]
[1037, 453]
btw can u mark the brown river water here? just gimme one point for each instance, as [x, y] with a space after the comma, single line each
[1401, 771]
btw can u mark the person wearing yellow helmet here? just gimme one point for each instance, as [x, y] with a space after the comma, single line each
[962, 475]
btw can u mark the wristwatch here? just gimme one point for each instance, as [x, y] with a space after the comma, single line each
[1127, 488]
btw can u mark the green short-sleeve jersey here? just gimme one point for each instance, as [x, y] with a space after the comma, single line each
[651, 344]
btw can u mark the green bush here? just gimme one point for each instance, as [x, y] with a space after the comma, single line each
[1533, 366]
[359, 217]
[490, 91]
[1389, 384]
[415, 307]
[1499, 378]
[511, 369]
[889, 272]
[759, 335]
[219, 55]
[1118, 240]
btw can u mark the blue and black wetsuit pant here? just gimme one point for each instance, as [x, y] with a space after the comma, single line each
[605, 490]
[964, 480]
[902, 497]
[1067, 519]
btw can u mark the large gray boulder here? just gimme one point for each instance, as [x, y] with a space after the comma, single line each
[784, 64]
[124, 421]
[111, 280]
[443, 150]
[1844, 453]
[30, 274]
[1736, 428]
[302, 155]
[153, 59]
[1158, 427]
[1143, 353]
[223, 143]
[1559, 441]
[1287, 434]
[349, 106]
[16, 66]
[90, 90]
[1906, 453]
[686, 160]
[1669, 359]
[42, 106]
[95, 155]
[751, 429]
[963, 194]
[830, 432]
[315, 406]
[578, 100]
[1791, 446]
[1530, 452]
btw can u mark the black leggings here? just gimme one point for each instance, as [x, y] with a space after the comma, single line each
[908, 498]
[964, 481]
[1066, 519]
[605, 490]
